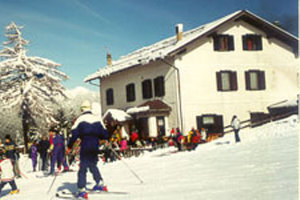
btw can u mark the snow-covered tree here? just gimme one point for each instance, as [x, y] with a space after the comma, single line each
[28, 84]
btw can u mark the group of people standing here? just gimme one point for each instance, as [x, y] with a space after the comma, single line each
[49, 148]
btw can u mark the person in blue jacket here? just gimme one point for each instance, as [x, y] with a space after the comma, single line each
[57, 150]
[89, 129]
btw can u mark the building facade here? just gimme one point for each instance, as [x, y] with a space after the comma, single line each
[236, 65]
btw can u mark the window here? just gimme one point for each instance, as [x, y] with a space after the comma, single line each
[212, 123]
[109, 96]
[208, 119]
[147, 89]
[130, 92]
[159, 86]
[227, 81]
[223, 43]
[252, 42]
[255, 80]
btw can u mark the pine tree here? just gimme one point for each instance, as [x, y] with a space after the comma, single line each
[28, 84]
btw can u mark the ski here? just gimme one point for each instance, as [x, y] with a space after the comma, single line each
[64, 195]
[106, 192]
[72, 195]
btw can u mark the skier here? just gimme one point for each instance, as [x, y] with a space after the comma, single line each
[7, 173]
[10, 152]
[43, 146]
[57, 150]
[34, 155]
[235, 124]
[89, 129]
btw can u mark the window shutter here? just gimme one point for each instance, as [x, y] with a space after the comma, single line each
[231, 43]
[127, 93]
[219, 81]
[245, 47]
[247, 78]
[130, 92]
[262, 81]
[233, 81]
[147, 89]
[109, 97]
[162, 86]
[159, 86]
[199, 120]
[216, 43]
[259, 42]
[144, 88]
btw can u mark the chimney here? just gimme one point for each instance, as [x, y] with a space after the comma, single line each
[108, 59]
[179, 32]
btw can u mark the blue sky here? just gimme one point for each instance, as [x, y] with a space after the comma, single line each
[77, 33]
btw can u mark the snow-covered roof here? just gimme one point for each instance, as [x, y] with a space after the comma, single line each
[286, 103]
[135, 110]
[165, 47]
[117, 114]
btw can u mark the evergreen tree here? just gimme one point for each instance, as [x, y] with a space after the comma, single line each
[28, 84]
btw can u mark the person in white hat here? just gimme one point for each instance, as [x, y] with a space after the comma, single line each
[89, 129]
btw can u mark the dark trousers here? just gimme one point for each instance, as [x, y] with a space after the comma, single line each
[11, 183]
[57, 156]
[92, 166]
[236, 135]
[44, 162]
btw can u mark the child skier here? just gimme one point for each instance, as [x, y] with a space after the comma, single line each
[7, 173]
[34, 155]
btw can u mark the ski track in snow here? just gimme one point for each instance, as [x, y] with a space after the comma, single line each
[263, 166]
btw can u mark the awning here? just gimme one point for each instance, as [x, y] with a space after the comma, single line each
[150, 107]
[156, 105]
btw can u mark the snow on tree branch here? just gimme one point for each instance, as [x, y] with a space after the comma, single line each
[29, 84]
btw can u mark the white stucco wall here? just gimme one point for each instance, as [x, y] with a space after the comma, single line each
[198, 69]
[137, 75]
[199, 65]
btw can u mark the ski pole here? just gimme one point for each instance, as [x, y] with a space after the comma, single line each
[22, 174]
[55, 176]
[52, 183]
[126, 164]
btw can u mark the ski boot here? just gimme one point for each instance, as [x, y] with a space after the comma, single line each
[14, 192]
[82, 195]
[100, 187]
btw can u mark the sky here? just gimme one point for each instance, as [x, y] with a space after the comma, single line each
[78, 33]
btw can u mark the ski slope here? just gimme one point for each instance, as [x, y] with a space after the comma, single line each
[263, 166]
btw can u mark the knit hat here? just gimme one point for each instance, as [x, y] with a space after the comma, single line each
[7, 136]
[85, 106]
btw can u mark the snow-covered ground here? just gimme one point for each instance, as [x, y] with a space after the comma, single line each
[263, 166]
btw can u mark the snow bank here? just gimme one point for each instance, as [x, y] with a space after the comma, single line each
[263, 166]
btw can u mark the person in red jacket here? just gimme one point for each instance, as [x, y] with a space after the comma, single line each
[134, 136]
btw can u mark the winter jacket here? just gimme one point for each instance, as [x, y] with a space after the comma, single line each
[43, 147]
[236, 125]
[89, 129]
[134, 136]
[10, 150]
[33, 152]
[123, 145]
[6, 167]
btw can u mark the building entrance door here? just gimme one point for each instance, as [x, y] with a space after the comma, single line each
[161, 126]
